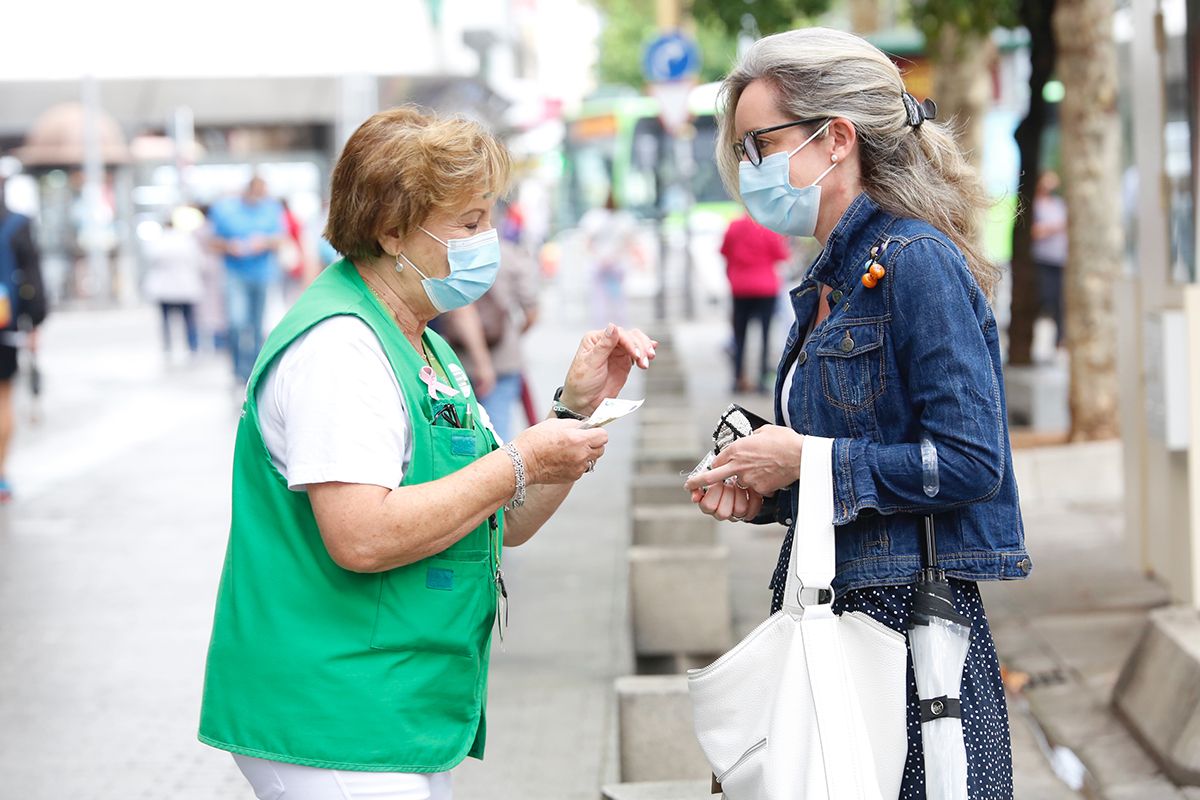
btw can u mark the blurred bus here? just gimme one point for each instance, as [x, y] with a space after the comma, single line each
[616, 145]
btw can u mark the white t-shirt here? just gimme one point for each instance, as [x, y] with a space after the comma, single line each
[331, 409]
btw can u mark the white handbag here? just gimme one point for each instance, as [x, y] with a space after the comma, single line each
[811, 705]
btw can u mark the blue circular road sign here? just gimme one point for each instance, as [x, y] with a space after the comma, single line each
[670, 57]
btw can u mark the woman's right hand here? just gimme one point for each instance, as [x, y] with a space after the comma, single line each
[726, 502]
[560, 450]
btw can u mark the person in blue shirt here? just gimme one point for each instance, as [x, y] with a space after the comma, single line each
[247, 230]
[894, 343]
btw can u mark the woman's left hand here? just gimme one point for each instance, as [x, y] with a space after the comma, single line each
[764, 462]
[602, 364]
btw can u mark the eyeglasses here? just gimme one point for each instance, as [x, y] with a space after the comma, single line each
[749, 148]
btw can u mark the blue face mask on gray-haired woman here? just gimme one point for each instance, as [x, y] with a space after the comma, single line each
[767, 190]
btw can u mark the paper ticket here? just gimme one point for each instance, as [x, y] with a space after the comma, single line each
[611, 410]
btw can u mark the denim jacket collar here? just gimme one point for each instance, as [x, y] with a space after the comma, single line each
[837, 266]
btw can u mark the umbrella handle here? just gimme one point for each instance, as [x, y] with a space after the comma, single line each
[929, 559]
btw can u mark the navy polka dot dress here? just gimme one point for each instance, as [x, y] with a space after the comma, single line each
[985, 715]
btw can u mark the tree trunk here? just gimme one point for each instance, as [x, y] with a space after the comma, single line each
[864, 16]
[1036, 16]
[963, 87]
[1087, 66]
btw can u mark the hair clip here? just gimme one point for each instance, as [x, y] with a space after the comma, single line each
[915, 112]
[874, 272]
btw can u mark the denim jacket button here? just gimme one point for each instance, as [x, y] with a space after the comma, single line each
[788, 521]
[836, 295]
[847, 344]
[1023, 565]
[803, 357]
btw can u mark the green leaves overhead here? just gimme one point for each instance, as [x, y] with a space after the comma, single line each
[967, 16]
[765, 16]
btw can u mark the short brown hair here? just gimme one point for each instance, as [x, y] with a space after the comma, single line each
[400, 165]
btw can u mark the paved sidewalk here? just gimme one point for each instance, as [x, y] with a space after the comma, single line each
[110, 555]
[109, 560]
[1078, 559]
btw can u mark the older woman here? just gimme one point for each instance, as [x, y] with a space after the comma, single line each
[894, 344]
[371, 499]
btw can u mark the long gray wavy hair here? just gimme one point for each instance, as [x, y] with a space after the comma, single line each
[818, 73]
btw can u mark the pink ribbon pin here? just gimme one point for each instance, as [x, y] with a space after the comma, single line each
[429, 378]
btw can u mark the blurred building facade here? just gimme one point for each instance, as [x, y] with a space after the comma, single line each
[1159, 298]
[112, 131]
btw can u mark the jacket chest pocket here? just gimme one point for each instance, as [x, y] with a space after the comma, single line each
[851, 361]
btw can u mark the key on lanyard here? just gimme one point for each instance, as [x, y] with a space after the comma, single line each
[502, 599]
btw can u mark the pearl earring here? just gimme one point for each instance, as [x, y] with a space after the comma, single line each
[833, 157]
[399, 266]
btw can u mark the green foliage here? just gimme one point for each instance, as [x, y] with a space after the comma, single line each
[769, 16]
[629, 25]
[931, 17]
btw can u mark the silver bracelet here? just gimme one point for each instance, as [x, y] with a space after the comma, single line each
[518, 498]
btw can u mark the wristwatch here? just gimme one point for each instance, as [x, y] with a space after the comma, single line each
[561, 411]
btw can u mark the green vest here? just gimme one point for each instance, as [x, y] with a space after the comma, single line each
[313, 664]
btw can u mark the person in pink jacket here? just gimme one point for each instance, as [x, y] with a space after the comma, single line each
[752, 254]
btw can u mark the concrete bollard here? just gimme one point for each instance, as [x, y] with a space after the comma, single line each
[663, 413]
[681, 525]
[665, 384]
[676, 459]
[1156, 692]
[679, 600]
[676, 437]
[654, 727]
[658, 790]
[650, 490]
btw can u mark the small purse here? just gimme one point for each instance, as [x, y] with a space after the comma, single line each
[811, 705]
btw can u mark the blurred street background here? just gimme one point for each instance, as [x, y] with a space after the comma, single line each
[125, 137]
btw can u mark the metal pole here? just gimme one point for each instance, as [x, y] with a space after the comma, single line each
[93, 186]
[687, 168]
[183, 129]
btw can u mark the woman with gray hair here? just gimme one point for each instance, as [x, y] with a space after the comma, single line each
[894, 355]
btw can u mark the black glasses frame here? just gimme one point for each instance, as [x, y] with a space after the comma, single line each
[749, 149]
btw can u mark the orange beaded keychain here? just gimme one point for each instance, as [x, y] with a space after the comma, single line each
[875, 271]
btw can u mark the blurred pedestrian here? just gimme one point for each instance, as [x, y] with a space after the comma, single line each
[293, 255]
[752, 255]
[212, 324]
[487, 334]
[371, 499]
[894, 342]
[610, 237]
[174, 280]
[247, 230]
[23, 308]
[1050, 248]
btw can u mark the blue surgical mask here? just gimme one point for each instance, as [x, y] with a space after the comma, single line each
[771, 199]
[474, 262]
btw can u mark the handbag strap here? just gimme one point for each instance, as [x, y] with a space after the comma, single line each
[812, 564]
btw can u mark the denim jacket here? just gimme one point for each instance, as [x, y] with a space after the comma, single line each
[916, 356]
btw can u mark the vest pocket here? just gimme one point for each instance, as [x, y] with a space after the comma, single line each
[441, 604]
[851, 361]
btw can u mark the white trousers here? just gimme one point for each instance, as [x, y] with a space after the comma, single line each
[276, 780]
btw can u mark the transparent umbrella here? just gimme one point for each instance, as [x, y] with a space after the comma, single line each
[938, 637]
